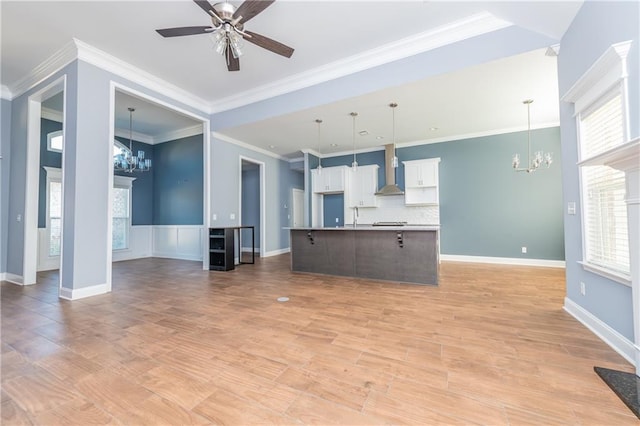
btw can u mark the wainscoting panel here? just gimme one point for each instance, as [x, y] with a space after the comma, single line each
[178, 241]
[140, 238]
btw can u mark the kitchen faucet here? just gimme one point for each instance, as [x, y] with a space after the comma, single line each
[356, 213]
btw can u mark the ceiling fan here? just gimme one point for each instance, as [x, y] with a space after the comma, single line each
[227, 30]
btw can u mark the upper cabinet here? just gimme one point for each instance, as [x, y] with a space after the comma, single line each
[421, 182]
[328, 180]
[363, 184]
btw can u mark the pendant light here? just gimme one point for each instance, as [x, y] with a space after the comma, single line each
[354, 164]
[539, 157]
[319, 121]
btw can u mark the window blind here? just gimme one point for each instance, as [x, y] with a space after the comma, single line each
[605, 212]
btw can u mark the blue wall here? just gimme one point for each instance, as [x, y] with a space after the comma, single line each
[178, 180]
[49, 159]
[333, 208]
[486, 209]
[5, 143]
[595, 28]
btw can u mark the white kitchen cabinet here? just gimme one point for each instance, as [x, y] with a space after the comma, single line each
[363, 184]
[421, 173]
[329, 180]
[421, 182]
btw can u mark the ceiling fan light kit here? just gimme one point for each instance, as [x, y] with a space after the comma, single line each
[227, 30]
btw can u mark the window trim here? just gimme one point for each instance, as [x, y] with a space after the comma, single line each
[54, 174]
[124, 182]
[605, 78]
[52, 135]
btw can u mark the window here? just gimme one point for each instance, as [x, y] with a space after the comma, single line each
[121, 212]
[55, 216]
[54, 141]
[604, 213]
[599, 98]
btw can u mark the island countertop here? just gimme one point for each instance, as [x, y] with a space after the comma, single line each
[365, 227]
[408, 253]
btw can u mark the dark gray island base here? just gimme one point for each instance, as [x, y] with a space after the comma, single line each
[403, 254]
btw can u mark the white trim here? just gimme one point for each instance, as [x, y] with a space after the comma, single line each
[277, 252]
[81, 293]
[178, 134]
[110, 63]
[136, 136]
[12, 278]
[605, 272]
[5, 93]
[263, 198]
[503, 260]
[451, 138]
[46, 69]
[605, 72]
[457, 31]
[231, 140]
[611, 337]
[52, 114]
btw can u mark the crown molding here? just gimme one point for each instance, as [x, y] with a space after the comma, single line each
[5, 93]
[57, 61]
[231, 140]
[136, 136]
[178, 134]
[447, 34]
[605, 72]
[110, 63]
[52, 114]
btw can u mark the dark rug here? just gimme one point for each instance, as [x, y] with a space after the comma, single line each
[625, 385]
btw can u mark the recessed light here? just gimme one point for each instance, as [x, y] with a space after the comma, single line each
[363, 133]
[433, 129]
[379, 137]
[272, 146]
[334, 144]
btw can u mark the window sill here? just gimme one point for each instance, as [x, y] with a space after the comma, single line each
[606, 273]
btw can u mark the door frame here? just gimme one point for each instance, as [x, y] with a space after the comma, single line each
[262, 186]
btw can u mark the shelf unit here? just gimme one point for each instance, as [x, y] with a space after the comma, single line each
[221, 249]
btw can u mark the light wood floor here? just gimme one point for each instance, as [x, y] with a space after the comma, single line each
[173, 344]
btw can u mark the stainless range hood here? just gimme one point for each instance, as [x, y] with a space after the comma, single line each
[390, 173]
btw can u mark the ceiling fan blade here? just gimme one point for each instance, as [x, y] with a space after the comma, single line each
[233, 64]
[250, 8]
[269, 44]
[183, 31]
[205, 5]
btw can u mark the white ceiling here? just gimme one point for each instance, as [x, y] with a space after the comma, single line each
[322, 32]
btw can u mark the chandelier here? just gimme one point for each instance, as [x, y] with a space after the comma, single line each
[539, 158]
[125, 161]
[228, 34]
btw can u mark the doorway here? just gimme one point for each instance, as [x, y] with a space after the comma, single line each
[252, 206]
[48, 101]
[297, 208]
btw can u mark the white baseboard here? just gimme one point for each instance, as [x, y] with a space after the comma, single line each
[177, 256]
[81, 293]
[615, 340]
[503, 260]
[12, 278]
[277, 252]
[248, 249]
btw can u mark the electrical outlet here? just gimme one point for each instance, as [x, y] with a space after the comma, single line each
[583, 288]
[571, 208]
[232, 216]
[524, 250]
[337, 220]
[215, 216]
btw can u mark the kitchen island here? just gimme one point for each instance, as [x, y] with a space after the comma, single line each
[407, 254]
